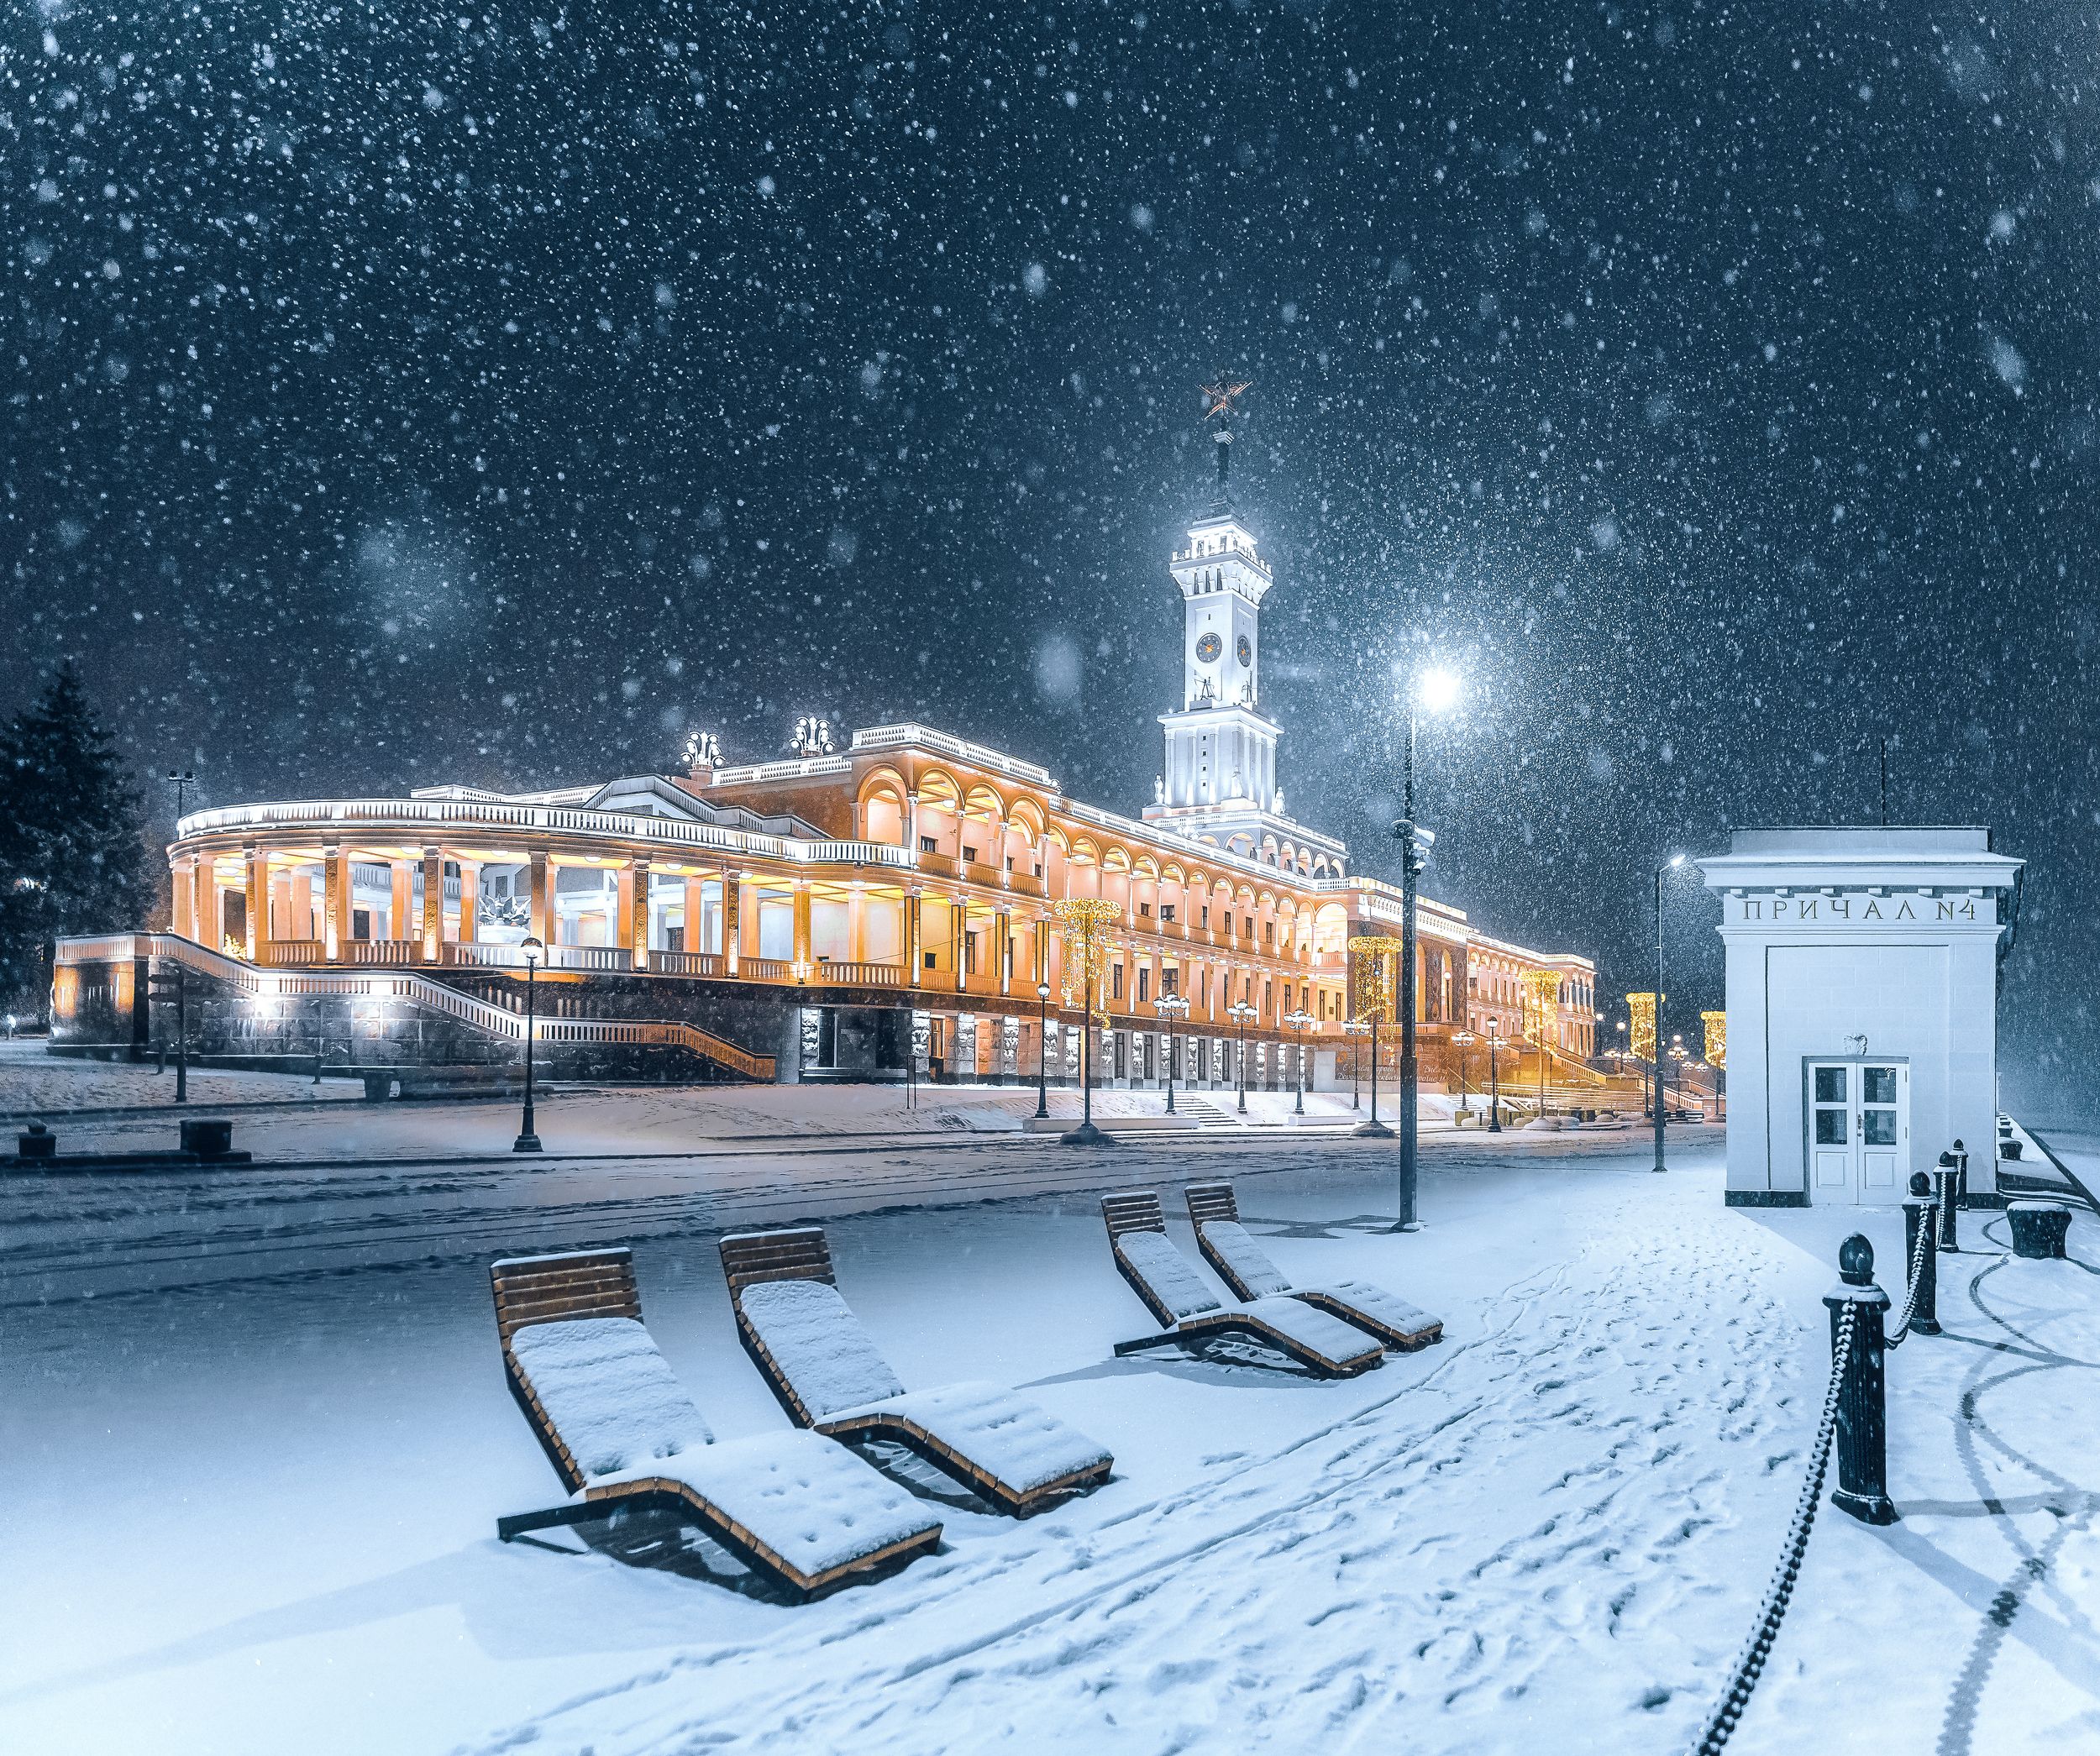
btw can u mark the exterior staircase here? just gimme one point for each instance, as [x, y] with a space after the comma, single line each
[408, 987]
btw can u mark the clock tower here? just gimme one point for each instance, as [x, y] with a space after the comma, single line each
[1219, 784]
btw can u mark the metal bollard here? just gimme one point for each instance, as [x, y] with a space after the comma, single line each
[1961, 1175]
[1863, 1415]
[1921, 1212]
[1944, 1181]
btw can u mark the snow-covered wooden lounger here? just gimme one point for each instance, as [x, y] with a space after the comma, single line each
[1244, 1266]
[620, 1431]
[1175, 1294]
[829, 1376]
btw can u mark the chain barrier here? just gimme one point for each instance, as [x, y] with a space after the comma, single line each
[1913, 1273]
[1721, 1727]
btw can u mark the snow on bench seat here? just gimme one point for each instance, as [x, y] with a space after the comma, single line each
[1310, 1329]
[1023, 1444]
[1171, 1276]
[1001, 1441]
[1232, 1244]
[832, 1362]
[608, 1392]
[611, 1398]
[1245, 1258]
[1375, 1302]
[816, 1506]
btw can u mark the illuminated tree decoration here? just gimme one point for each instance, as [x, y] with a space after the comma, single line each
[1640, 1010]
[1716, 1024]
[1083, 927]
[1542, 998]
[1374, 977]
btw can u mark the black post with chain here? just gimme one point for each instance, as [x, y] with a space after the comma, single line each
[1862, 1419]
[1920, 1215]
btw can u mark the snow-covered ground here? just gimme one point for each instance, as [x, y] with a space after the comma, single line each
[34, 1082]
[253, 1484]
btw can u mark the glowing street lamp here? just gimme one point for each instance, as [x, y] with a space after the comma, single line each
[1434, 691]
[1462, 1040]
[1671, 864]
[1042, 1050]
[1173, 1007]
[1241, 1010]
[527, 1141]
[1297, 1021]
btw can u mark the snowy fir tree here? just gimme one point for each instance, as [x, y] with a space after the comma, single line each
[73, 858]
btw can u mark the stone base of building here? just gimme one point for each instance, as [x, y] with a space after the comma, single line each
[1767, 1198]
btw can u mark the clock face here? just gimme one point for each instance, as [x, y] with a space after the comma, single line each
[1208, 648]
[1246, 651]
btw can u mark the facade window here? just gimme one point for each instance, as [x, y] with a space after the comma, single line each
[1145, 910]
[1144, 983]
[969, 954]
[1116, 981]
[1167, 913]
[970, 854]
[928, 845]
[1169, 979]
[1204, 922]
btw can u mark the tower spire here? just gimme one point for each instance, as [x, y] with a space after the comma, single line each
[1218, 401]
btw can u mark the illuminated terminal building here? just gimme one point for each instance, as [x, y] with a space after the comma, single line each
[851, 914]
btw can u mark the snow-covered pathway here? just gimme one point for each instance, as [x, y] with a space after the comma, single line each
[257, 1515]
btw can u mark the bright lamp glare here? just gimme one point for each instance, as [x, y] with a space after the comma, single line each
[1435, 690]
[1677, 859]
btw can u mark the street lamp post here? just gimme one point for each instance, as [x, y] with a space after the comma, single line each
[1494, 1077]
[1241, 1010]
[1462, 1040]
[1671, 864]
[1042, 1050]
[1434, 690]
[1297, 1021]
[1373, 1128]
[1354, 1027]
[1173, 1008]
[527, 1141]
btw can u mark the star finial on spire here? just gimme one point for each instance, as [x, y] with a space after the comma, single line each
[1218, 398]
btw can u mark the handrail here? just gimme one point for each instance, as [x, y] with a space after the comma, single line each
[415, 989]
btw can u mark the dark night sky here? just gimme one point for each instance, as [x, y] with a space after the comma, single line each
[396, 396]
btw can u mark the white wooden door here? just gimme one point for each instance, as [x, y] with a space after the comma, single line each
[1859, 1131]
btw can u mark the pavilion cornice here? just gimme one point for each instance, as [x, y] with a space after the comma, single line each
[484, 823]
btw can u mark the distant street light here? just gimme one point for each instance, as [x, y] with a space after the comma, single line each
[527, 1141]
[1671, 864]
[1354, 1027]
[1042, 1050]
[1297, 1021]
[1241, 1010]
[1462, 1040]
[1494, 1077]
[1172, 1007]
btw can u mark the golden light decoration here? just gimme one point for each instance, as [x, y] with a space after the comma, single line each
[1082, 926]
[1716, 1024]
[1641, 1011]
[1541, 996]
[1375, 987]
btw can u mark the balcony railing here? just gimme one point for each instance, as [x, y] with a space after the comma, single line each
[391, 953]
[293, 952]
[765, 969]
[858, 975]
[689, 963]
[590, 956]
